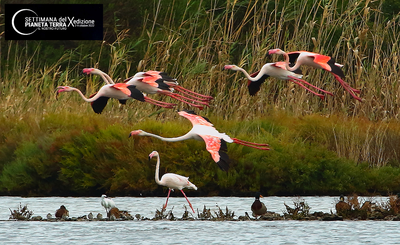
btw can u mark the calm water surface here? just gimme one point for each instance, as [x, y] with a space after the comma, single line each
[183, 232]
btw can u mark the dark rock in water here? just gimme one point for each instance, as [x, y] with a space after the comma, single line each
[397, 218]
[332, 217]
[36, 218]
[246, 217]
[376, 215]
[319, 214]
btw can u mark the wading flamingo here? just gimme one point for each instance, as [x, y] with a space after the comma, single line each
[203, 130]
[258, 207]
[318, 61]
[107, 203]
[172, 181]
[155, 82]
[120, 91]
[277, 70]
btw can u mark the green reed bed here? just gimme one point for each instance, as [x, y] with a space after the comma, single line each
[69, 153]
[60, 147]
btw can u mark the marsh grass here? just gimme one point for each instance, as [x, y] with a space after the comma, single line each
[193, 41]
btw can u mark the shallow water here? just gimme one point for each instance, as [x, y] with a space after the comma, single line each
[182, 232]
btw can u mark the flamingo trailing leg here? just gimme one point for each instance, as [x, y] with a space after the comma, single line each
[155, 82]
[277, 70]
[318, 61]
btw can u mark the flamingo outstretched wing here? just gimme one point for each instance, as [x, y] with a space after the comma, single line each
[99, 104]
[217, 148]
[129, 90]
[254, 87]
[326, 62]
[154, 78]
[195, 119]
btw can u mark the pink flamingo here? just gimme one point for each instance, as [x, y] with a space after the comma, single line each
[172, 181]
[120, 91]
[318, 61]
[203, 130]
[277, 70]
[155, 82]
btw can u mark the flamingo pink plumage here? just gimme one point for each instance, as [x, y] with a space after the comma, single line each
[318, 61]
[277, 70]
[155, 82]
[120, 91]
[172, 181]
[203, 130]
[107, 79]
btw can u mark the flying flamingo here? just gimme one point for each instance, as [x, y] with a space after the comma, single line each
[277, 70]
[172, 181]
[318, 61]
[107, 203]
[155, 82]
[120, 91]
[203, 130]
[107, 79]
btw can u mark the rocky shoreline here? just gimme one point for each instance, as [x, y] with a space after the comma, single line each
[300, 212]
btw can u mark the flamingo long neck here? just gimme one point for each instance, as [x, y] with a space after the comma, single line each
[174, 139]
[157, 175]
[106, 78]
[287, 62]
[86, 99]
[253, 79]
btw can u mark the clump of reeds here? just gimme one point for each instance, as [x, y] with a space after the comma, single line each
[162, 215]
[370, 209]
[21, 213]
[205, 214]
[221, 215]
[299, 211]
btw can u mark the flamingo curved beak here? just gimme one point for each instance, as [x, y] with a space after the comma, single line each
[227, 67]
[87, 71]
